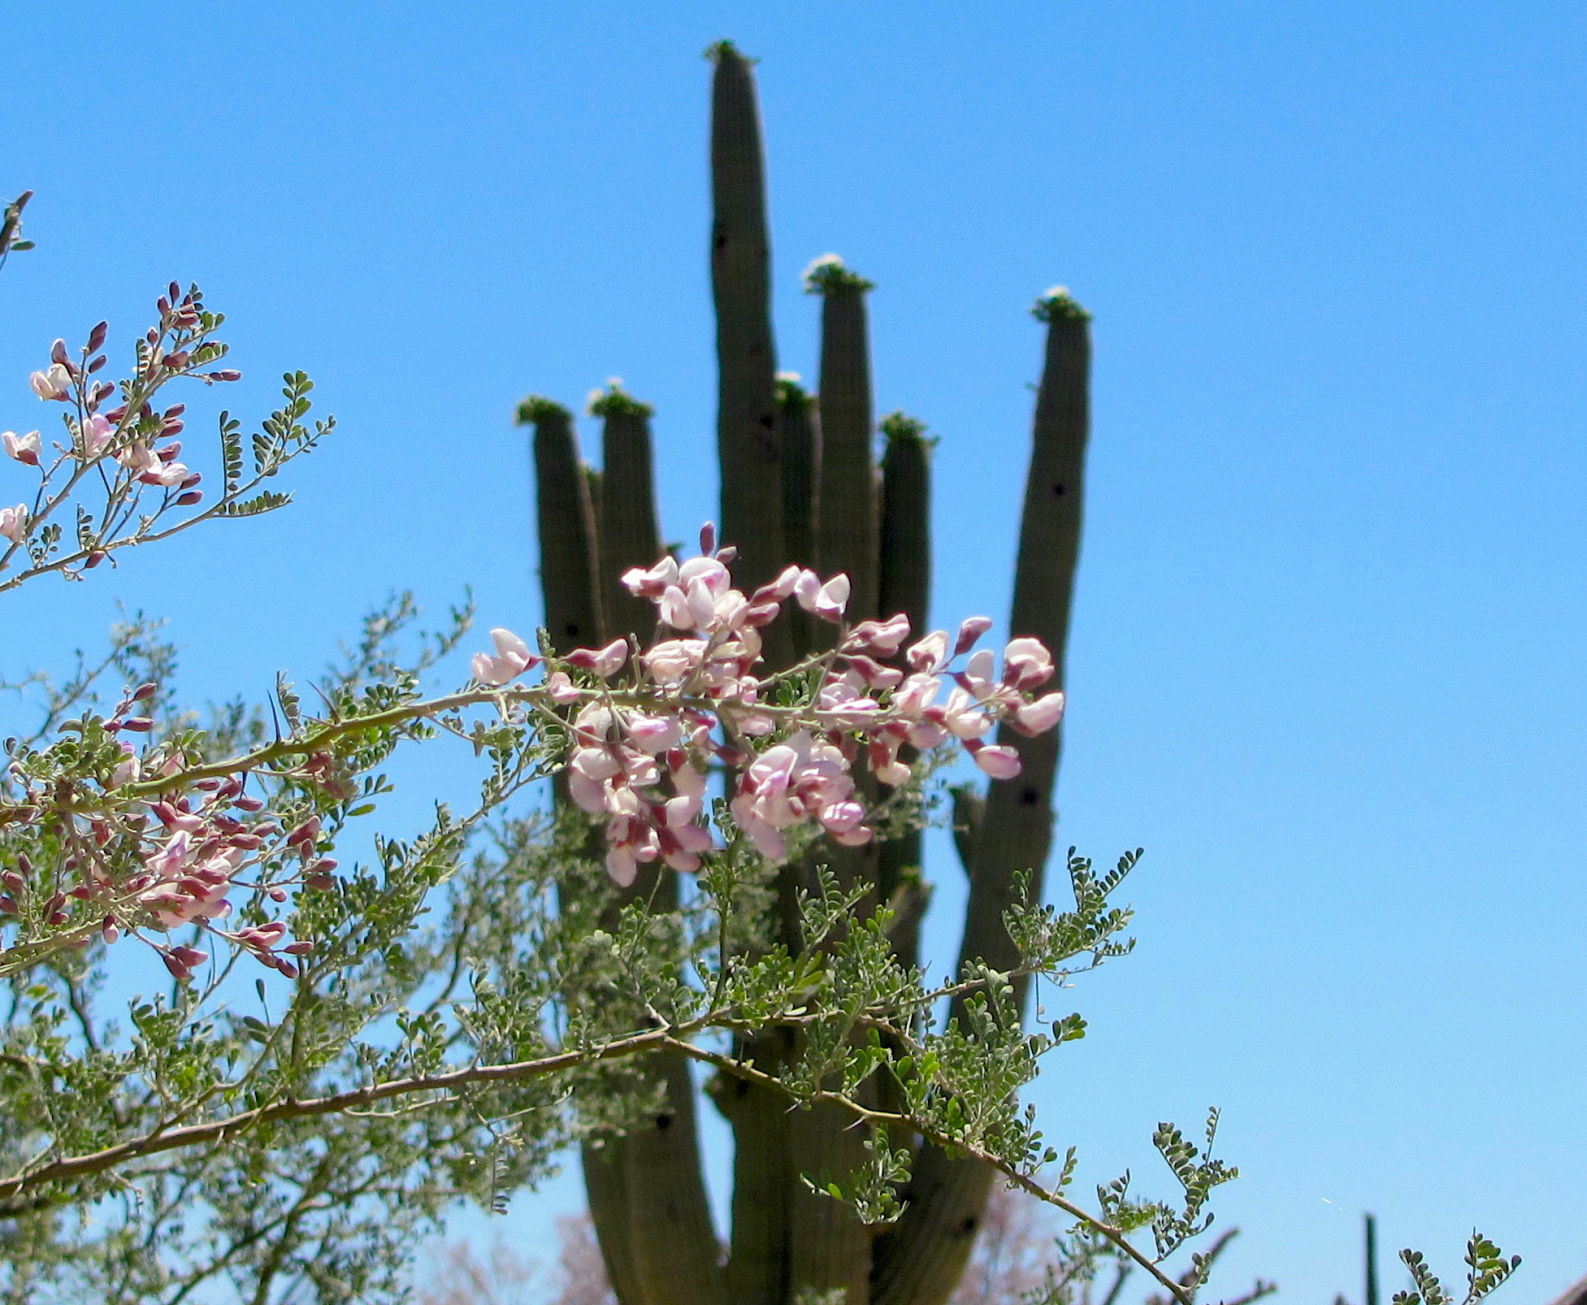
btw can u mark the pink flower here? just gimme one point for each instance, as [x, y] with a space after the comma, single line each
[878, 638]
[604, 662]
[166, 474]
[655, 734]
[671, 661]
[97, 432]
[24, 448]
[963, 718]
[996, 760]
[587, 775]
[970, 629]
[654, 582]
[930, 654]
[139, 459]
[1038, 717]
[512, 659]
[562, 689]
[622, 865]
[53, 383]
[782, 587]
[1027, 664]
[826, 601]
[14, 523]
[127, 770]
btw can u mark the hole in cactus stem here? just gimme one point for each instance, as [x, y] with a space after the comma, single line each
[968, 1227]
[1058, 491]
[663, 1123]
[1027, 797]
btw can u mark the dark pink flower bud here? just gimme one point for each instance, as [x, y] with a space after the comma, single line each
[708, 539]
[191, 497]
[58, 352]
[96, 337]
[971, 629]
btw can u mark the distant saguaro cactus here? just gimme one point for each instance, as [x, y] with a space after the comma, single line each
[800, 483]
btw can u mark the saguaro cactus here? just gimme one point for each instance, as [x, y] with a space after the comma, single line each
[800, 483]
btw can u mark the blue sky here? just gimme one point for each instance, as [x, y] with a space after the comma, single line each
[1328, 650]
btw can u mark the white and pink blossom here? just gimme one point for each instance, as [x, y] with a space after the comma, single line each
[510, 660]
[14, 523]
[55, 382]
[24, 448]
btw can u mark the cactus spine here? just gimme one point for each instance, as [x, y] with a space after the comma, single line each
[799, 484]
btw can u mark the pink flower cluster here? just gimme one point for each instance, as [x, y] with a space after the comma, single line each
[172, 348]
[642, 748]
[162, 863]
[195, 850]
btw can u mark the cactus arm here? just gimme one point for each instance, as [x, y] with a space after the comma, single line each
[799, 426]
[606, 1191]
[829, 1248]
[646, 1194]
[669, 1231]
[566, 520]
[923, 1256]
[758, 1268]
[1017, 831]
[741, 290]
[847, 526]
[630, 535]
[763, 1180]
[904, 585]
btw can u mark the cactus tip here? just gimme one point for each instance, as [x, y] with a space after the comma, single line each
[615, 401]
[829, 273]
[720, 51]
[899, 425]
[537, 407]
[1058, 305]
[791, 395]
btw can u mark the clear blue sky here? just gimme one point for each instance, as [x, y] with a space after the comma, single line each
[1327, 665]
